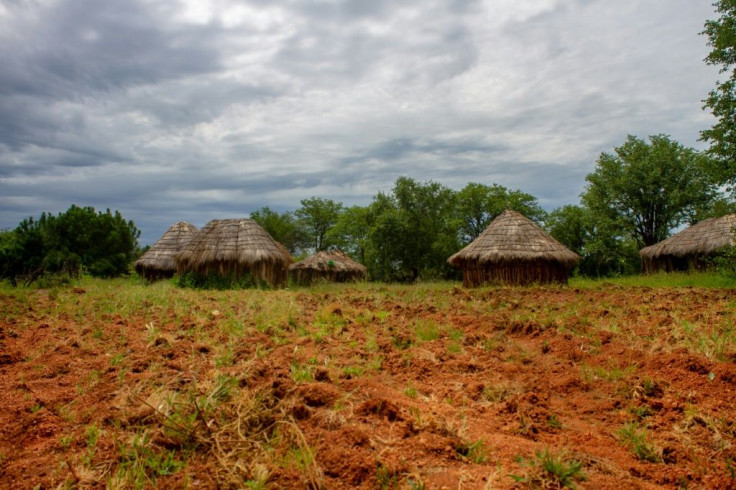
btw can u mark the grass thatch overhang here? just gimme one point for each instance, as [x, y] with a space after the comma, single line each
[327, 266]
[691, 246]
[158, 261]
[514, 250]
[235, 247]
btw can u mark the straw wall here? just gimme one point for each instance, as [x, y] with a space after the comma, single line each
[515, 273]
[154, 274]
[671, 263]
[274, 273]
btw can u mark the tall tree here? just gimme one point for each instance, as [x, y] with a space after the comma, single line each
[284, 228]
[721, 100]
[351, 231]
[479, 204]
[603, 251]
[318, 216]
[645, 189]
[80, 239]
[413, 232]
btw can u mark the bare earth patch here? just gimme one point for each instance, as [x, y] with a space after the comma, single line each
[125, 385]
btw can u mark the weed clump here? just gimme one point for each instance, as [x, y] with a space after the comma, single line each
[547, 470]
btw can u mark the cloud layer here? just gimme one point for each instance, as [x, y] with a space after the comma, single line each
[190, 110]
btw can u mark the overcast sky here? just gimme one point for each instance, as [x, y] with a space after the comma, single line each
[191, 110]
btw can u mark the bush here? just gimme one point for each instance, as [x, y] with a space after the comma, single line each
[77, 241]
[725, 261]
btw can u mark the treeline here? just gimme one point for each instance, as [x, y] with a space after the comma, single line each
[634, 198]
[403, 235]
[79, 240]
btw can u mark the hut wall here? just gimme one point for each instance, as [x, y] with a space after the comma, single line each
[275, 274]
[516, 274]
[671, 263]
[153, 274]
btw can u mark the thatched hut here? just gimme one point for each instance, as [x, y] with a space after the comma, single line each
[514, 250]
[158, 261]
[691, 247]
[332, 266]
[235, 247]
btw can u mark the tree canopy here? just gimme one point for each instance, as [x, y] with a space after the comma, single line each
[645, 189]
[78, 240]
[721, 101]
[478, 204]
[285, 228]
[318, 216]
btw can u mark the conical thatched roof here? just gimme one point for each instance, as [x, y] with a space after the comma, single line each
[235, 246]
[334, 265]
[510, 238]
[703, 239]
[158, 261]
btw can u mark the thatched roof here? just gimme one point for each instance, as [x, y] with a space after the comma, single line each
[235, 246]
[702, 238]
[332, 261]
[513, 238]
[159, 259]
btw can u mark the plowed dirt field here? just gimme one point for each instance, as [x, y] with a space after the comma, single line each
[127, 385]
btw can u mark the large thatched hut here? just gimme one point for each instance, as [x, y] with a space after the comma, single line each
[332, 266]
[691, 247]
[514, 250]
[158, 261]
[235, 247]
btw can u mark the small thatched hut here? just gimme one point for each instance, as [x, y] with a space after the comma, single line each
[333, 266]
[691, 247]
[235, 247]
[158, 261]
[514, 250]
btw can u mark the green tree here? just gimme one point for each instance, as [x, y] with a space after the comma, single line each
[350, 232]
[721, 101]
[569, 226]
[645, 189]
[602, 251]
[318, 216]
[102, 244]
[478, 205]
[284, 228]
[412, 232]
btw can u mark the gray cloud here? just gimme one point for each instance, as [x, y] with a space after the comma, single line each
[193, 110]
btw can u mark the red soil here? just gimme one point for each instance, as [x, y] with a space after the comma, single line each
[511, 372]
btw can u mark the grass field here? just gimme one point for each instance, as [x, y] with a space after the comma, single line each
[625, 383]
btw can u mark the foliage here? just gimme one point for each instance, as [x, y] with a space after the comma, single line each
[721, 100]
[284, 228]
[724, 261]
[478, 204]
[547, 470]
[350, 232]
[412, 232]
[78, 240]
[602, 252]
[318, 216]
[635, 438]
[644, 190]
